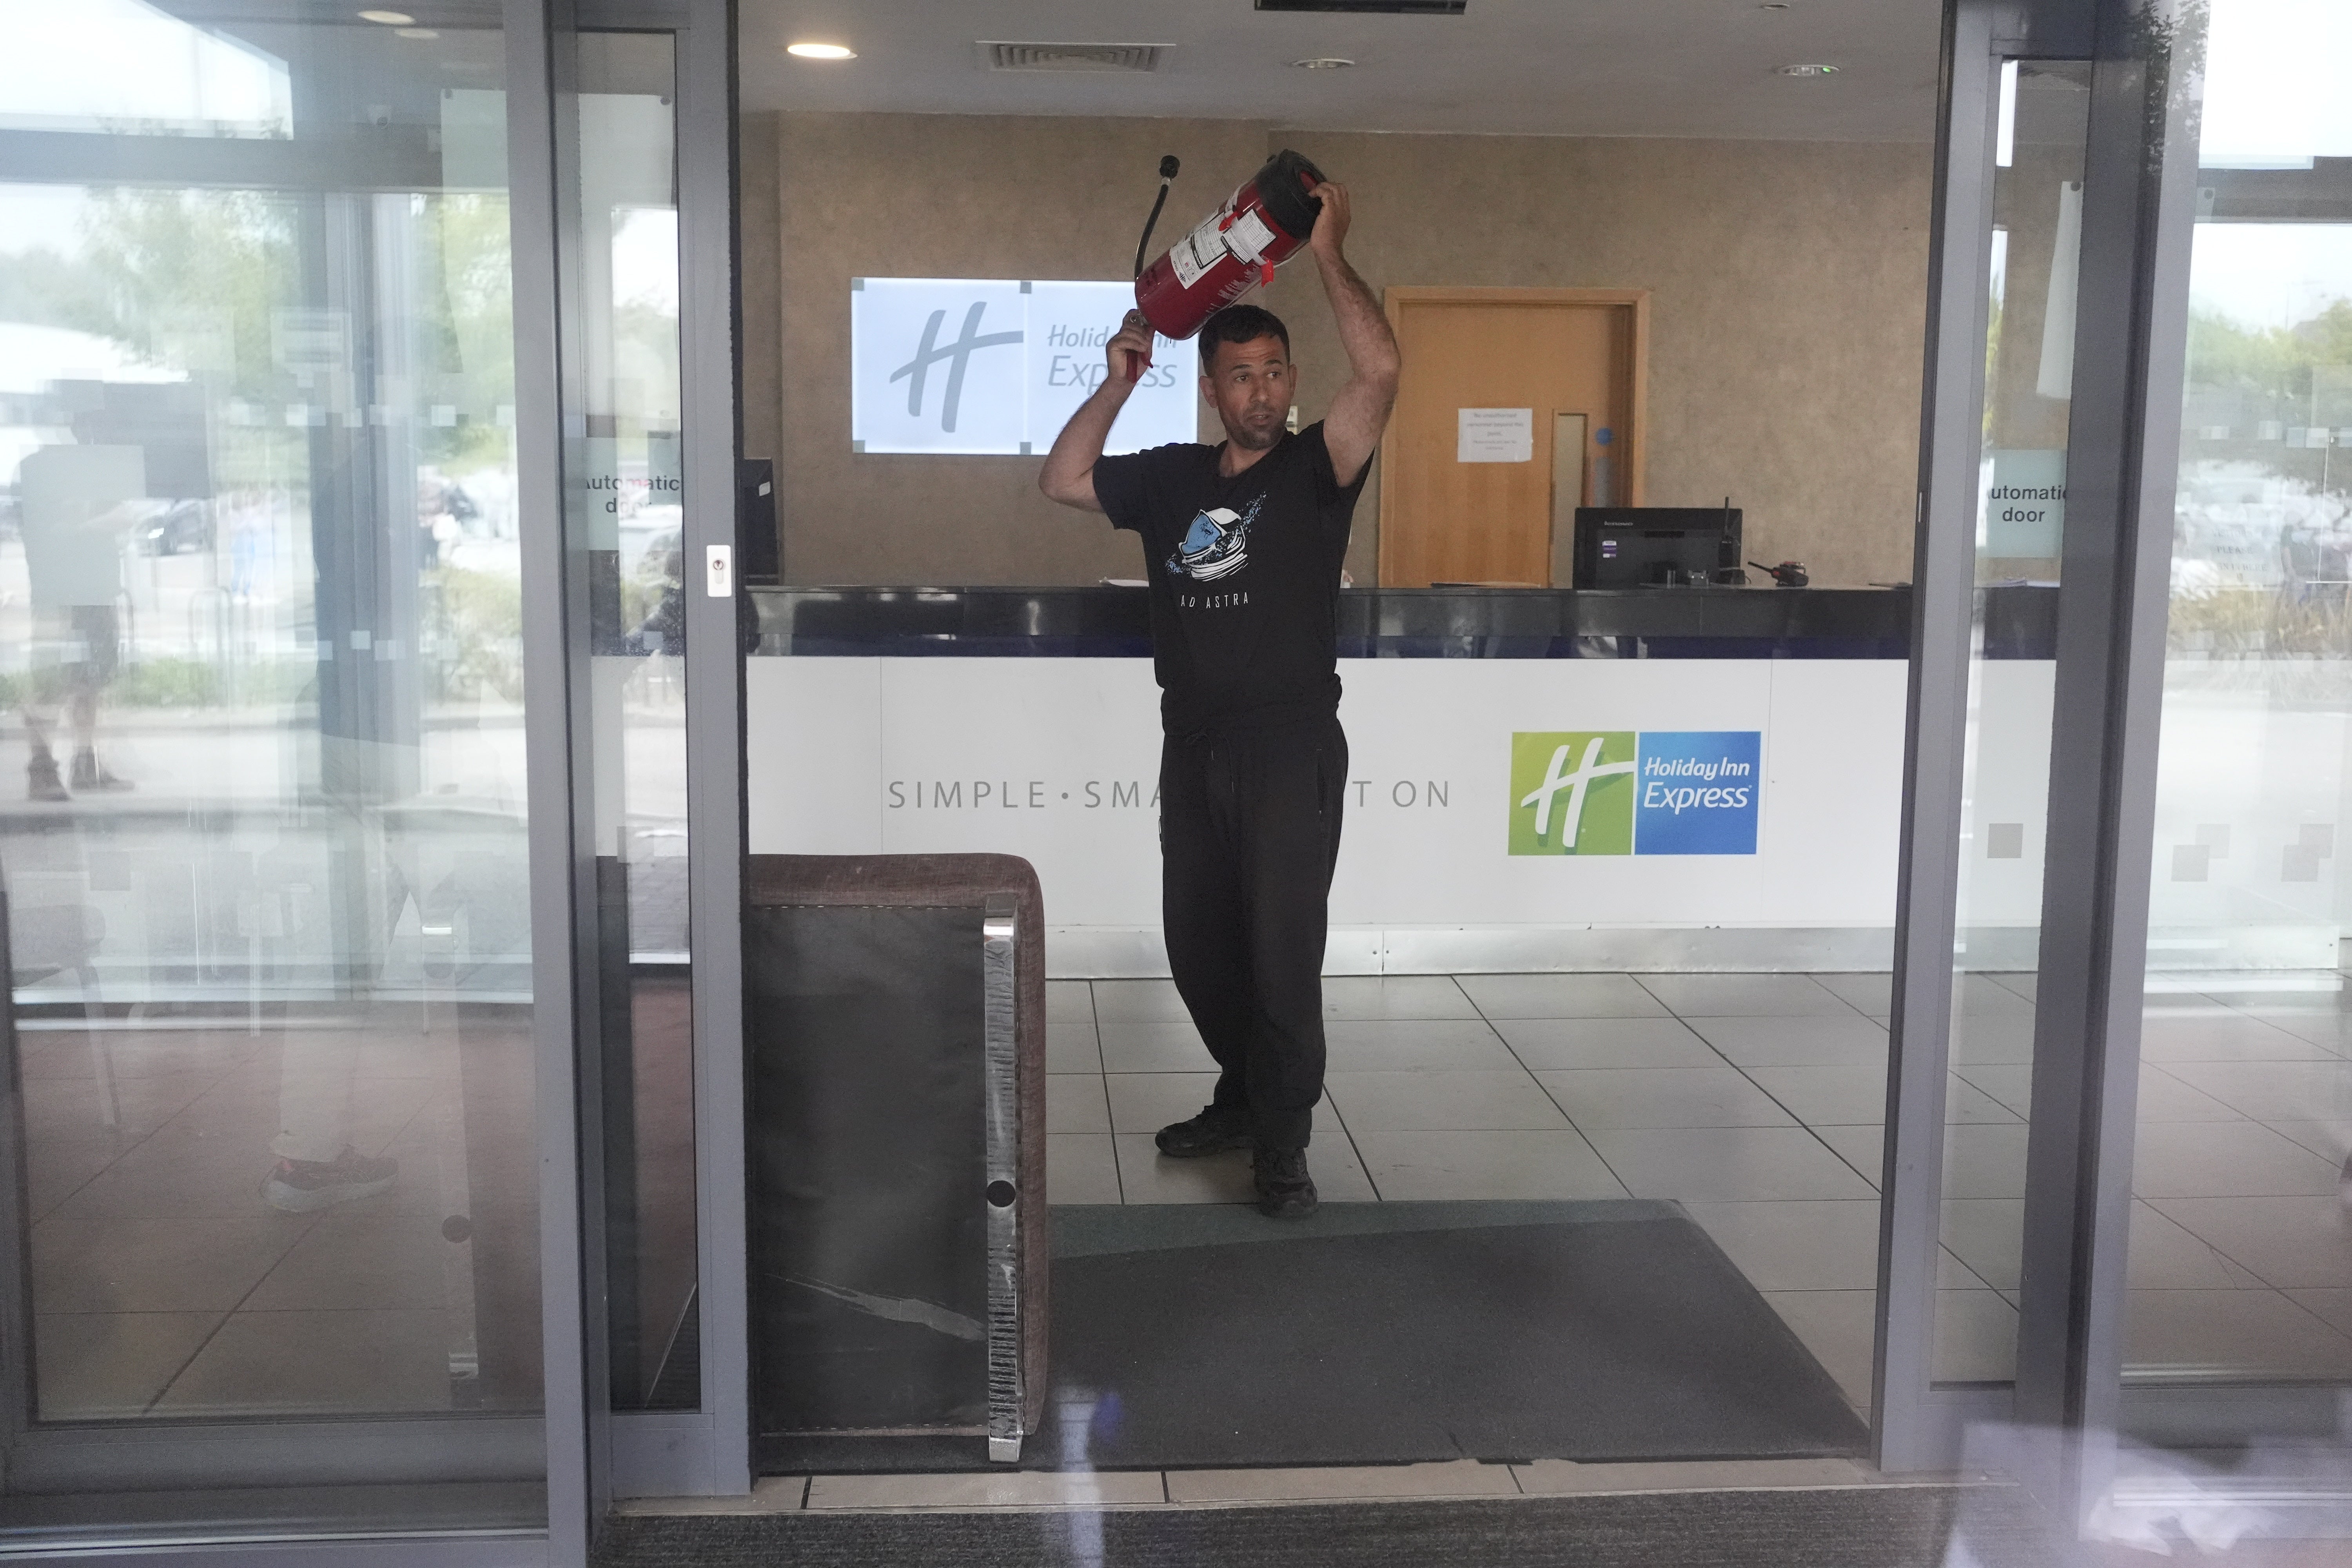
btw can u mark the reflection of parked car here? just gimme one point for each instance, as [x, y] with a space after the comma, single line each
[180, 528]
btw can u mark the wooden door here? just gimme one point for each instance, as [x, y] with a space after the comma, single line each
[1546, 352]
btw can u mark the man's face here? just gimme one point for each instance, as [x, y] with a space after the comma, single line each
[1249, 386]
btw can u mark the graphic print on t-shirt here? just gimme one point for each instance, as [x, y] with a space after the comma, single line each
[1216, 546]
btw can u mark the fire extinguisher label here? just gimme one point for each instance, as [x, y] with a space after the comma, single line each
[1197, 252]
[1249, 237]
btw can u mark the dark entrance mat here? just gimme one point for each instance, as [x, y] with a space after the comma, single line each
[1205, 1337]
[1874, 1527]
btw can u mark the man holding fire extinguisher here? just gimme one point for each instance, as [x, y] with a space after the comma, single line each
[1243, 545]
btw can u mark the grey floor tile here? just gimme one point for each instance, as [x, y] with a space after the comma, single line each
[2164, 1255]
[1080, 1168]
[1607, 1043]
[1870, 993]
[1072, 1046]
[1989, 1236]
[1976, 1337]
[157, 1263]
[55, 1169]
[2265, 1091]
[1836, 1096]
[2333, 1308]
[989, 1488]
[1726, 1163]
[1983, 996]
[2222, 1037]
[1147, 1101]
[1799, 1041]
[1863, 1147]
[2329, 1031]
[1068, 999]
[1797, 1243]
[1840, 1327]
[1454, 1045]
[1983, 1039]
[1746, 995]
[2330, 1140]
[1443, 1101]
[2009, 1084]
[1458, 1477]
[2026, 984]
[2301, 1242]
[350, 1259]
[1433, 1165]
[2164, 1097]
[1074, 1103]
[1166, 1046]
[1984, 1161]
[93, 1365]
[1148, 1177]
[1139, 1000]
[318, 1363]
[1560, 996]
[1964, 1102]
[2249, 1333]
[1662, 1097]
[2224, 1159]
[1408, 996]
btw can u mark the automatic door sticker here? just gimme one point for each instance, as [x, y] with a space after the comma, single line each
[1216, 546]
[1620, 792]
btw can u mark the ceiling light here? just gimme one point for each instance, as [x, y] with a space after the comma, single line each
[389, 18]
[414, 33]
[1324, 63]
[821, 51]
[1808, 70]
[1773, 6]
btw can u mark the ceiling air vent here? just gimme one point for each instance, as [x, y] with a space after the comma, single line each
[1371, 7]
[1072, 57]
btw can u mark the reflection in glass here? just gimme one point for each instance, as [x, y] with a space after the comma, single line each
[2239, 1269]
[2029, 363]
[260, 650]
[625, 513]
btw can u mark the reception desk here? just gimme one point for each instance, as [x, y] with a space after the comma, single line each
[1025, 722]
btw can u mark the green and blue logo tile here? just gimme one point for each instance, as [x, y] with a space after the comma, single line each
[1626, 792]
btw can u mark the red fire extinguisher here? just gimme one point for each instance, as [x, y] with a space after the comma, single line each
[1230, 251]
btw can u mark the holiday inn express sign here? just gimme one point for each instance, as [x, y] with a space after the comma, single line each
[970, 365]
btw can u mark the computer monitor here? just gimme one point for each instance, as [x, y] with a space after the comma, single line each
[1656, 546]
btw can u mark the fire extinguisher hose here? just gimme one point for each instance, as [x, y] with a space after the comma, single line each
[1168, 167]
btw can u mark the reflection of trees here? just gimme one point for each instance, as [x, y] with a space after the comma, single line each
[2274, 367]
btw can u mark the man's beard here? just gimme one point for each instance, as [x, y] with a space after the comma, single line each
[1242, 436]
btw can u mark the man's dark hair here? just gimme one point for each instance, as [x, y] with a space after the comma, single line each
[1240, 324]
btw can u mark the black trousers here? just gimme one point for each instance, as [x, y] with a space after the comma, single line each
[1249, 831]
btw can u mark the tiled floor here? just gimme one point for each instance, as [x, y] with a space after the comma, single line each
[161, 1285]
[1757, 1102]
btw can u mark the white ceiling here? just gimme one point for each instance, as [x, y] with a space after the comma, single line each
[1555, 68]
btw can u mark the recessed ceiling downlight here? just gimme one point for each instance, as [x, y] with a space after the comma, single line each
[1808, 70]
[1324, 63]
[821, 51]
[389, 18]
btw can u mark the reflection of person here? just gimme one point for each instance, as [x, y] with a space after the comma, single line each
[70, 503]
[1243, 543]
[317, 1166]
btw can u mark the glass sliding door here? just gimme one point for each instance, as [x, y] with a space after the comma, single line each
[273, 1092]
[2241, 1273]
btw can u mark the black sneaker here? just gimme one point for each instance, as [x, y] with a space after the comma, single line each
[41, 780]
[1217, 1129]
[300, 1186]
[1285, 1190]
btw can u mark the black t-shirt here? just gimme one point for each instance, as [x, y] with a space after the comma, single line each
[1243, 575]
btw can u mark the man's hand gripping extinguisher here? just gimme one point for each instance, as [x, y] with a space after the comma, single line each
[1263, 224]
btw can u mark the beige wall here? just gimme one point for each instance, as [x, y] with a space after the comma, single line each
[1788, 305]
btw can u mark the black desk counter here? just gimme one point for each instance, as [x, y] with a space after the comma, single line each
[1404, 622]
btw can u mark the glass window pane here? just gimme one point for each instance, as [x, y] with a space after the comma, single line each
[260, 644]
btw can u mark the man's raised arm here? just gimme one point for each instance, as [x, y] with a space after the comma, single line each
[1360, 410]
[1068, 476]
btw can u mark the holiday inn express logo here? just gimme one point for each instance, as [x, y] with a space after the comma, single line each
[1626, 792]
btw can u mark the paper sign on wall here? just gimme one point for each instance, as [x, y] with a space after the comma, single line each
[1495, 436]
